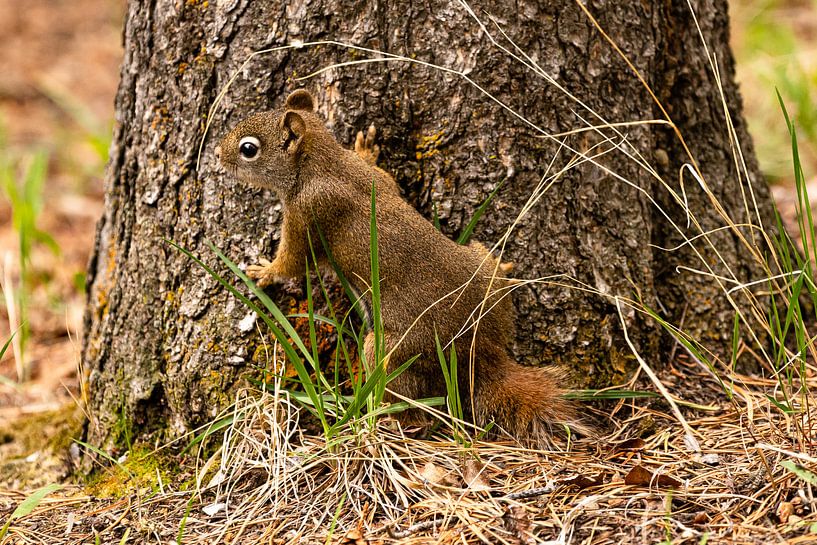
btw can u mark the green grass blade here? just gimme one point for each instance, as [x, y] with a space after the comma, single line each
[397, 372]
[804, 215]
[280, 319]
[313, 337]
[785, 246]
[449, 368]
[214, 427]
[325, 319]
[104, 455]
[689, 344]
[776, 329]
[441, 357]
[800, 471]
[377, 324]
[347, 287]
[454, 391]
[793, 315]
[404, 405]
[435, 217]
[379, 387]
[28, 505]
[465, 236]
[784, 407]
[7, 344]
[335, 519]
[183, 523]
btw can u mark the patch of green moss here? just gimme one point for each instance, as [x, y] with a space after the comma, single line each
[52, 430]
[34, 448]
[140, 471]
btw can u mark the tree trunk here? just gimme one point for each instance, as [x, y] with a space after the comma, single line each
[162, 339]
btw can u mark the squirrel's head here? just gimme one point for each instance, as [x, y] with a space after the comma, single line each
[265, 149]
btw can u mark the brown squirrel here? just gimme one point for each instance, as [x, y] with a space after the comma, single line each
[429, 285]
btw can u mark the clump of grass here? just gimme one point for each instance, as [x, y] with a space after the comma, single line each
[792, 344]
[453, 400]
[22, 179]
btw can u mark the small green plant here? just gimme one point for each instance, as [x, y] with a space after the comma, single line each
[183, 523]
[453, 400]
[28, 505]
[22, 180]
[792, 344]
[465, 236]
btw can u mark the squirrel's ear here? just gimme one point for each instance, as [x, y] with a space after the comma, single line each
[295, 126]
[300, 100]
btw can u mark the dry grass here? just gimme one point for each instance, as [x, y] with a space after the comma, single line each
[268, 483]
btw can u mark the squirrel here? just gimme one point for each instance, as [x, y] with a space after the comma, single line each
[430, 286]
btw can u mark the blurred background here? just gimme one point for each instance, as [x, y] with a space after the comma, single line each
[60, 67]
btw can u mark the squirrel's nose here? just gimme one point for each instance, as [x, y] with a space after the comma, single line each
[218, 153]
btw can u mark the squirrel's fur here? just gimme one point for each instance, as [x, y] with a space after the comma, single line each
[322, 184]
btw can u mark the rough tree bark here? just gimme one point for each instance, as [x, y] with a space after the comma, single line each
[162, 341]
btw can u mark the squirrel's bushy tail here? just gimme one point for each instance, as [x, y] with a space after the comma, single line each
[527, 403]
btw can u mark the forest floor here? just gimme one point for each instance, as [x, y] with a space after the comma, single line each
[717, 471]
[731, 474]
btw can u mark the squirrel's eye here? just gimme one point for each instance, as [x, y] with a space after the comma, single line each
[249, 148]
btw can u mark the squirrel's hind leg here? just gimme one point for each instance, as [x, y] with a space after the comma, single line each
[420, 380]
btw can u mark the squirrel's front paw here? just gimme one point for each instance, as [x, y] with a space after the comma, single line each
[263, 274]
[365, 146]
